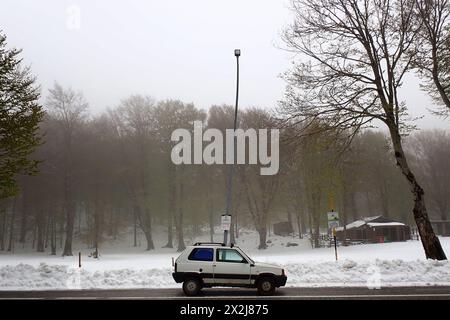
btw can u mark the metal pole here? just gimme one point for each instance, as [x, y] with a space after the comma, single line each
[237, 53]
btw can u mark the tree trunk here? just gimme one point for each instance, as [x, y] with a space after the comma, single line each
[53, 235]
[299, 225]
[11, 226]
[3, 230]
[171, 206]
[262, 231]
[47, 231]
[148, 230]
[40, 231]
[70, 216]
[23, 221]
[316, 232]
[179, 222]
[430, 243]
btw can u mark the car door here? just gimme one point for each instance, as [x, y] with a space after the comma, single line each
[201, 260]
[231, 268]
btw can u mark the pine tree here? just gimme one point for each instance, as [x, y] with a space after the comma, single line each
[20, 115]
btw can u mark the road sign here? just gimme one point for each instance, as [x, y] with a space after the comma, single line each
[333, 224]
[333, 219]
[333, 216]
[226, 222]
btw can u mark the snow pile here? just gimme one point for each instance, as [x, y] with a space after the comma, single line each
[369, 273]
[54, 277]
[341, 273]
[372, 265]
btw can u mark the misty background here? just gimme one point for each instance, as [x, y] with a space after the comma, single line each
[166, 49]
[117, 78]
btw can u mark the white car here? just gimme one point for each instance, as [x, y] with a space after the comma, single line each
[215, 264]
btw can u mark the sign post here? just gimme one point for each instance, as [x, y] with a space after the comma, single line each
[225, 224]
[333, 223]
[335, 243]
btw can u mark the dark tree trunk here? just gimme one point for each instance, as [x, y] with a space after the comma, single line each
[179, 222]
[148, 230]
[47, 231]
[316, 232]
[23, 221]
[70, 216]
[40, 231]
[300, 225]
[11, 226]
[145, 221]
[430, 243]
[3, 230]
[61, 234]
[53, 235]
[171, 206]
[262, 231]
[135, 216]
[353, 205]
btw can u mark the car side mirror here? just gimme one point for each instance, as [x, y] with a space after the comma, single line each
[252, 265]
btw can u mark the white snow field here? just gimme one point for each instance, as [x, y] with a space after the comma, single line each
[121, 266]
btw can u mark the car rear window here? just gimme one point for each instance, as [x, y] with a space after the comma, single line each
[202, 254]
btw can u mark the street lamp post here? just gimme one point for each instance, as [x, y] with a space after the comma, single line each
[237, 53]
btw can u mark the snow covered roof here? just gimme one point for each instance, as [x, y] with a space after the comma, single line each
[368, 221]
[384, 224]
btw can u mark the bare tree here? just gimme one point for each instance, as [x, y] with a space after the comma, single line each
[433, 57]
[358, 52]
[69, 108]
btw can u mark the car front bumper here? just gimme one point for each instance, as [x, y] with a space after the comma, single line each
[280, 281]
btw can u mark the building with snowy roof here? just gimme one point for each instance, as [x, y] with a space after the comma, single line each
[374, 230]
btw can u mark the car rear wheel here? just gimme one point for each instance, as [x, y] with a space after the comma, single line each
[191, 287]
[266, 286]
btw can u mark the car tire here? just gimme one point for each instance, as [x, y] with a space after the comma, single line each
[192, 286]
[266, 286]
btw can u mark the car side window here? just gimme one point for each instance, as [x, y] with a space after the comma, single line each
[201, 254]
[230, 255]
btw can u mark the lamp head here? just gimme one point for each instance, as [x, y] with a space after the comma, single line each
[237, 52]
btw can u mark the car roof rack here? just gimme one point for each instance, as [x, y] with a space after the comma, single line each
[209, 243]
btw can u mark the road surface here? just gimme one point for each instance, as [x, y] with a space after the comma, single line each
[347, 293]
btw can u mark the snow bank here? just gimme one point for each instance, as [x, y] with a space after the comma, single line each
[374, 274]
[372, 265]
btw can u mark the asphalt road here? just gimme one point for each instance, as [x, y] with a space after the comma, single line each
[348, 293]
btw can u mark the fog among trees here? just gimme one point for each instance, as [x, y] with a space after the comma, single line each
[107, 175]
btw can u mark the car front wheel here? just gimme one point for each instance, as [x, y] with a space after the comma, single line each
[191, 287]
[266, 286]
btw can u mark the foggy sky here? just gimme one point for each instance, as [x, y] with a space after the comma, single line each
[181, 49]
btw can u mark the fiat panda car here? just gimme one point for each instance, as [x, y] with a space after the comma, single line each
[206, 265]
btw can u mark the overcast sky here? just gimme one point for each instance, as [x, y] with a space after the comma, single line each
[181, 49]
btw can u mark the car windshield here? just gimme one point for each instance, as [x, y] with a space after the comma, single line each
[245, 255]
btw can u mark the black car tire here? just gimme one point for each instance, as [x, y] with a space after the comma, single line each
[266, 286]
[191, 286]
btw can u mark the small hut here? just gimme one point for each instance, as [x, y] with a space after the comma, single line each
[376, 229]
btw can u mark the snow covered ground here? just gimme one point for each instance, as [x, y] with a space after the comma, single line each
[372, 265]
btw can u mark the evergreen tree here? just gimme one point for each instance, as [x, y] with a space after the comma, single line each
[20, 115]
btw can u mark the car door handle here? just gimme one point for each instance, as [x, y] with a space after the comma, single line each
[213, 265]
